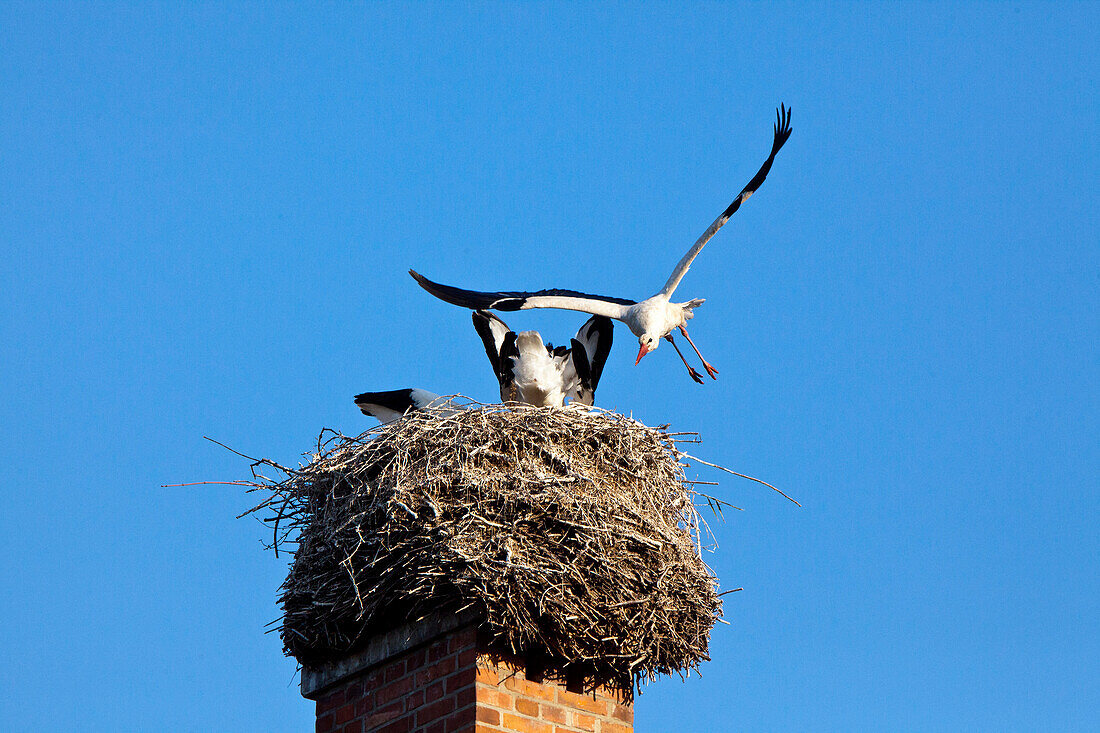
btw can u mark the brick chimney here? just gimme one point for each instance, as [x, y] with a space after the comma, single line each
[438, 676]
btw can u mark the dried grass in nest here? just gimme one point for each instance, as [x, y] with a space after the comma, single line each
[574, 534]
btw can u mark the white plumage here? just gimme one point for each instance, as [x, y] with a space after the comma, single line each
[536, 373]
[528, 370]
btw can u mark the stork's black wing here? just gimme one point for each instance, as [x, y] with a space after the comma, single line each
[517, 300]
[782, 131]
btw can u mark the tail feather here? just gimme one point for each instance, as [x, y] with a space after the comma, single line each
[391, 405]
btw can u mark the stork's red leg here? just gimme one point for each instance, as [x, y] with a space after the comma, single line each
[694, 374]
[706, 365]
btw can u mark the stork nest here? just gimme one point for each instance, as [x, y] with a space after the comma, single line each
[568, 532]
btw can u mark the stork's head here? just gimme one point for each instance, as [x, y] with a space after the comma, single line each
[648, 342]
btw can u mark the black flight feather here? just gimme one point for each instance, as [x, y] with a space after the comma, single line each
[502, 301]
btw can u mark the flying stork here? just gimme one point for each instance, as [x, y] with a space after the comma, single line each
[651, 319]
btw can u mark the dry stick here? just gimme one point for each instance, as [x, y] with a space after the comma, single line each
[750, 478]
[256, 461]
[713, 501]
[275, 531]
[203, 483]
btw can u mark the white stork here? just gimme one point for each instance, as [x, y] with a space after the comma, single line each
[528, 370]
[539, 374]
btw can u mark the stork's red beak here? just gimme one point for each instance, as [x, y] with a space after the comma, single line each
[642, 352]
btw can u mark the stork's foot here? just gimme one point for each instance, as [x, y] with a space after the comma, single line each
[706, 365]
[694, 374]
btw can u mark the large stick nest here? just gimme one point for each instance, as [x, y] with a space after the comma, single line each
[570, 534]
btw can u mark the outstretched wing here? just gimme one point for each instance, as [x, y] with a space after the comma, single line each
[782, 132]
[509, 353]
[586, 359]
[492, 331]
[513, 300]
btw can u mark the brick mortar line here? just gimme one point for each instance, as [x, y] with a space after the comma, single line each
[566, 704]
[516, 713]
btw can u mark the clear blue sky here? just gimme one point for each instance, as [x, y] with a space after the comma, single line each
[207, 213]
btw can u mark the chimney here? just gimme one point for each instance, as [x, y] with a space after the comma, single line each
[439, 676]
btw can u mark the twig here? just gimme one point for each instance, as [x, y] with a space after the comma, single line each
[750, 478]
[204, 483]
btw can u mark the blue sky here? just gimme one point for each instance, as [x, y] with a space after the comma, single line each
[207, 215]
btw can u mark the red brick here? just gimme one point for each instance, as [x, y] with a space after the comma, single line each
[439, 726]
[344, 714]
[488, 715]
[607, 726]
[462, 721]
[325, 723]
[488, 675]
[542, 692]
[482, 728]
[584, 722]
[526, 725]
[356, 727]
[415, 660]
[437, 651]
[401, 725]
[440, 669]
[584, 702]
[553, 713]
[433, 692]
[414, 700]
[525, 686]
[465, 696]
[383, 716]
[598, 707]
[435, 710]
[491, 695]
[330, 702]
[394, 690]
[366, 705]
[395, 671]
[464, 677]
[624, 713]
[467, 657]
[527, 707]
